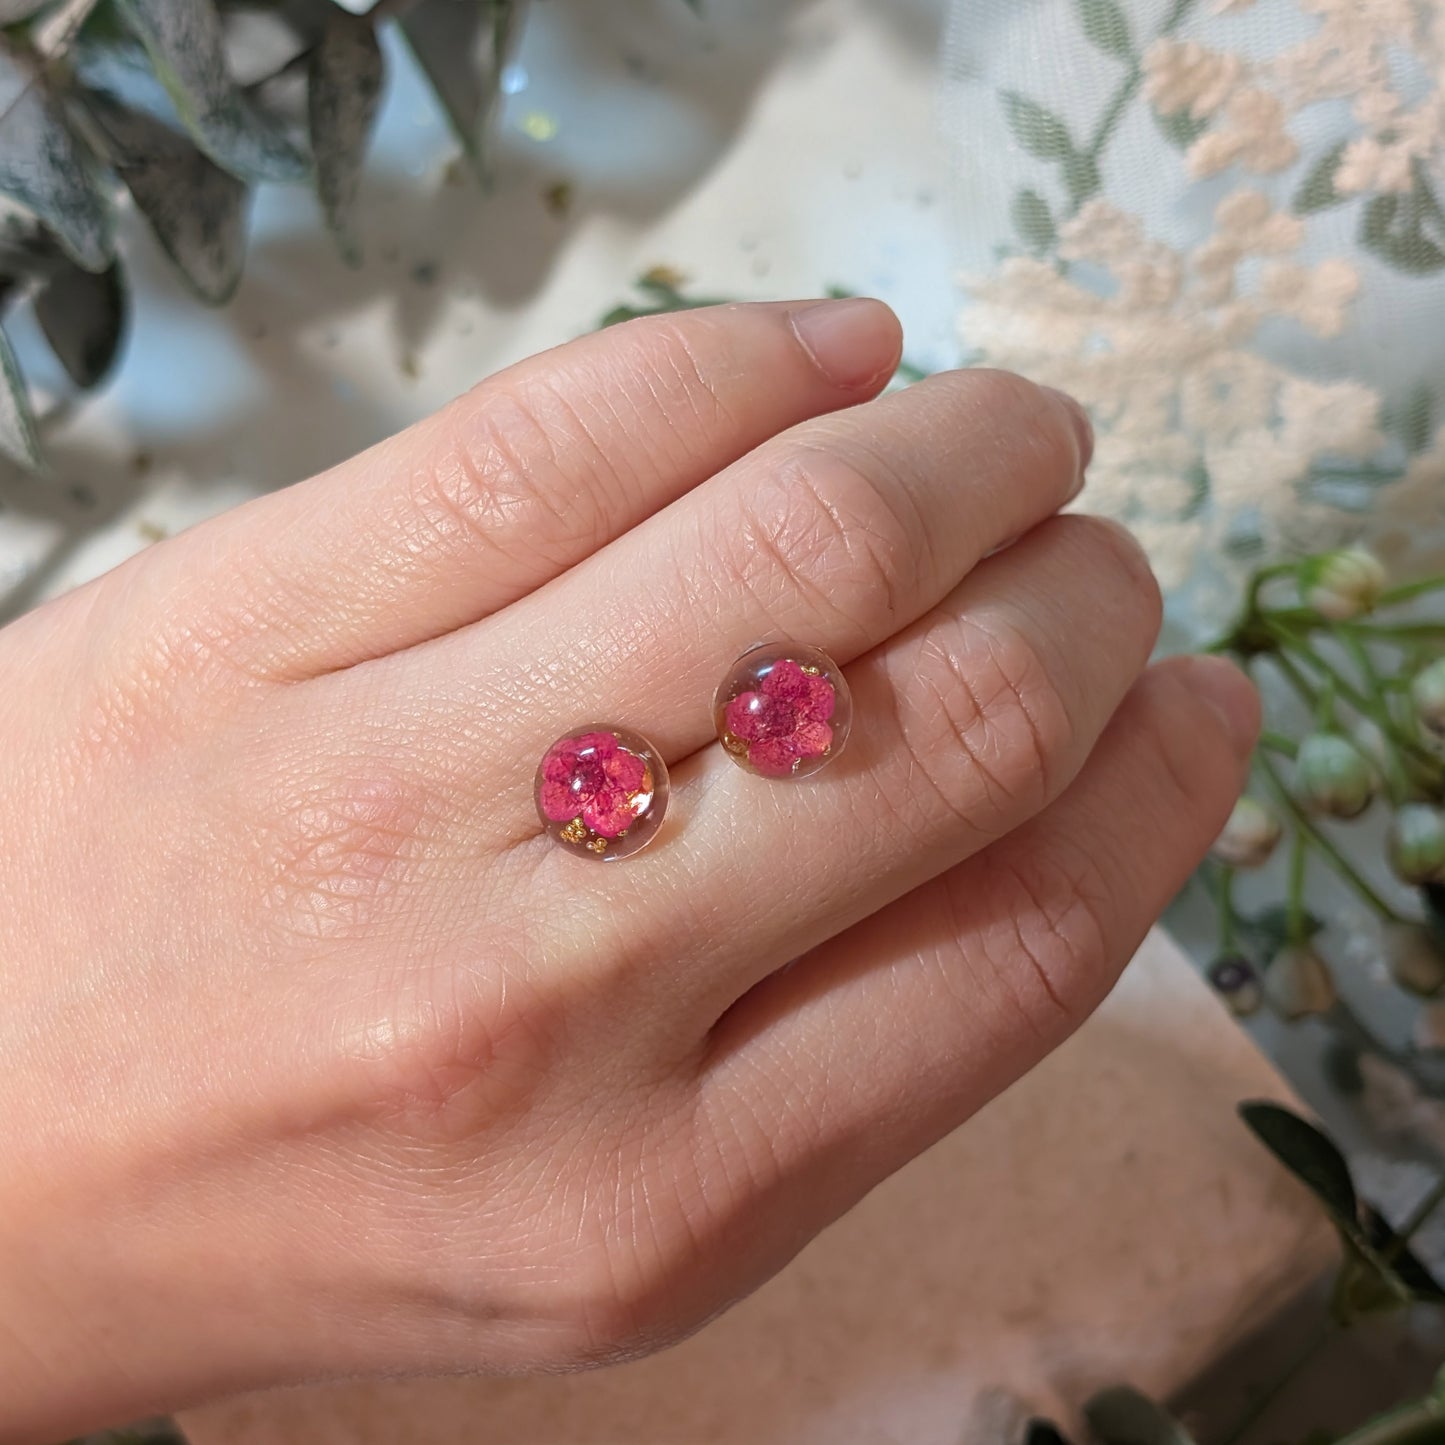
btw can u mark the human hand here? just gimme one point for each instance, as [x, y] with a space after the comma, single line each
[322, 1059]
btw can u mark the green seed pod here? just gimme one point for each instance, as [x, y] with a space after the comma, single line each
[1299, 982]
[1415, 960]
[1416, 844]
[1427, 692]
[1344, 584]
[1235, 981]
[1332, 776]
[1249, 837]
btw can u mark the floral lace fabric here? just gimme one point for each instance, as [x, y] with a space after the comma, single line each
[1221, 224]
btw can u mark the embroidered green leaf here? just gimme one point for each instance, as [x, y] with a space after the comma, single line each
[82, 314]
[1391, 229]
[46, 169]
[1040, 132]
[1180, 128]
[1081, 175]
[1033, 220]
[1317, 191]
[345, 89]
[1105, 24]
[18, 438]
[1414, 419]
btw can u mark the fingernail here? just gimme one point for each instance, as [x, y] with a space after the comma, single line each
[1083, 428]
[853, 341]
[1220, 684]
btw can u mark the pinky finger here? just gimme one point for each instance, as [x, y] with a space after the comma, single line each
[874, 1046]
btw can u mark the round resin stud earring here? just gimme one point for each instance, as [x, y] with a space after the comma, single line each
[783, 710]
[601, 791]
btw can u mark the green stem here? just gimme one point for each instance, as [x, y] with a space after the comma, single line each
[1401, 632]
[1228, 919]
[1296, 680]
[1408, 591]
[1296, 927]
[1278, 743]
[1342, 865]
[1421, 1212]
[1129, 86]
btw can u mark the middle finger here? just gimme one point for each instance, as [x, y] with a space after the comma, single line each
[838, 533]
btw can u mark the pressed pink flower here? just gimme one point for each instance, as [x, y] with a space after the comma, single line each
[593, 778]
[785, 720]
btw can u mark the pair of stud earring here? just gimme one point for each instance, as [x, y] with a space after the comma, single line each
[782, 711]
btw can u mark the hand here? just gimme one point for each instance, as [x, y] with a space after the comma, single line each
[321, 1058]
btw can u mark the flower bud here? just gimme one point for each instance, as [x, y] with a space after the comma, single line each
[1341, 585]
[1332, 776]
[1235, 981]
[1416, 843]
[1249, 837]
[1298, 982]
[1427, 692]
[1415, 960]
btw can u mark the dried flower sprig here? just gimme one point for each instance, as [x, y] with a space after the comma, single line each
[1373, 686]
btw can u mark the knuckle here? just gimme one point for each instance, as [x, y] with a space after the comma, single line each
[1008, 412]
[1047, 943]
[441, 1053]
[500, 473]
[825, 529]
[328, 849]
[984, 724]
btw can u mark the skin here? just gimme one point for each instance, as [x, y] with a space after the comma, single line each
[324, 1060]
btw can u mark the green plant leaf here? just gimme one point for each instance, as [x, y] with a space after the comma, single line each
[1106, 26]
[1033, 220]
[1409, 1268]
[184, 40]
[19, 439]
[1317, 191]
[463, 45]
[1040, 132]
[196, 209]
[347, 71]
[14, 11]
[83, 316]
[1122, 1416]
[1308, 1154]
[1180, 128]
[47, 170]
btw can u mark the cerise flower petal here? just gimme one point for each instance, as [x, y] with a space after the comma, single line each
[744, 716]
[818, 704]
[786, 681]
[625, 771]
[600, 745]
[558, 801]
[612, 811]
[774, 757]
[812, 739]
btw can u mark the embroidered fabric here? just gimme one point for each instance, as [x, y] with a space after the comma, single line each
[1221, 224]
